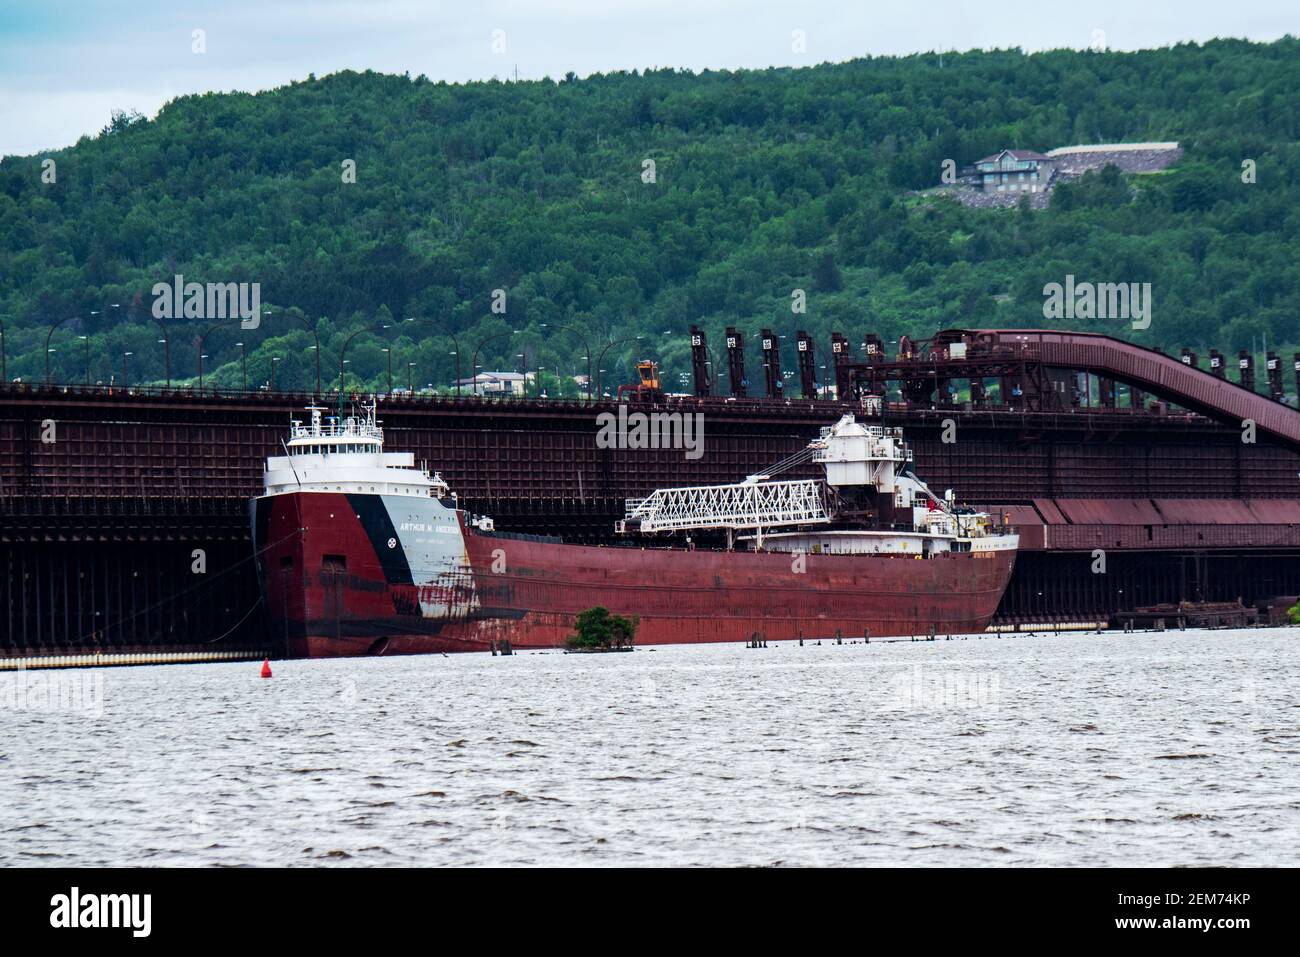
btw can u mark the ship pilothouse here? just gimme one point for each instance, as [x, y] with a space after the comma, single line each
[333, 453]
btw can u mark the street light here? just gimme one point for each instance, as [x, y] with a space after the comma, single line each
[446, 332]
[310, 327]
[167, 355]
[166, 341]
[601, 380]
[410, 372]
[212, 328]
[274, 360]
[126, 383]
[587, 347]
[473, 366]
[389, 354]
[47, 345]
[344, 351]
[85, 340]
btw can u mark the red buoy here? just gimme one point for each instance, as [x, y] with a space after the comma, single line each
[266, 667]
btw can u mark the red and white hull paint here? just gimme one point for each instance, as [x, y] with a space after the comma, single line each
[367, 574]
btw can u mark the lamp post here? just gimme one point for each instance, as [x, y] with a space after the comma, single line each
[85, 341]
[126, 382]
[344, 351]
[586, 345]
[47, 345]
[243, 368]
[389, 354]
[167, 349]
[274, 360]
[95, 312]
[600, 383]
[167, 356]
[446, 332]
[343, 361]
[473, 366]
[310, 327]
[410, 372]
[202, 339]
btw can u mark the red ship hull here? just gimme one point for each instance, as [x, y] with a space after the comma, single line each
[332, 589]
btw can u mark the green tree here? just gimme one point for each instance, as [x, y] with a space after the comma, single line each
[598, 629]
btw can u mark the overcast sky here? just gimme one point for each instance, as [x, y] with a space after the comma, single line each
[65, 66]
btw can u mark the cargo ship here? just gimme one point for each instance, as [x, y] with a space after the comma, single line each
[362, 552]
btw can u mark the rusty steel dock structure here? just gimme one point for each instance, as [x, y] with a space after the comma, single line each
[124, 513]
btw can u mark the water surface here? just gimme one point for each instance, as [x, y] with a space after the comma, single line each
[1180, 748]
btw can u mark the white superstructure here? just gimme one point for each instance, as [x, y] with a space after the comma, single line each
[329, 455]
[860, 460]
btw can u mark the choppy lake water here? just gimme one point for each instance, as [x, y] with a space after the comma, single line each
[1180, 748]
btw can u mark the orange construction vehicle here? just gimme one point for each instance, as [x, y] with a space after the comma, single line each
[649, 387]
